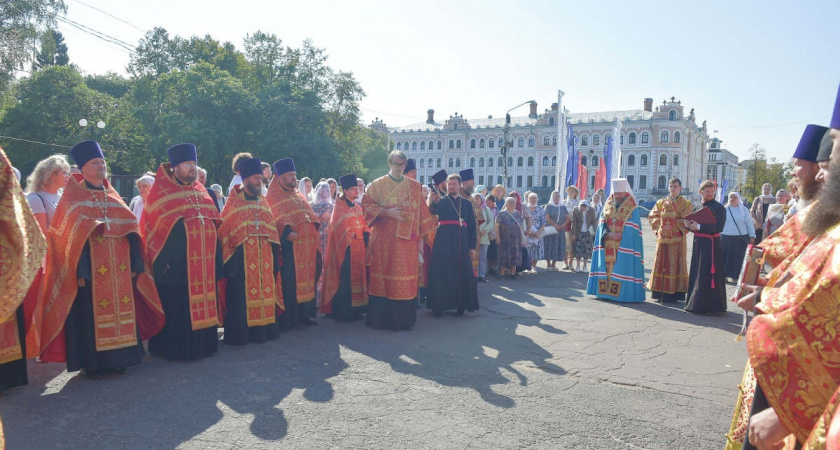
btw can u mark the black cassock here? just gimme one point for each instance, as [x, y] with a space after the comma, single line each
[177, 340]
[237, 331]
[702, 296]
[342, 301]
[452, 283]
[295, 312]
[13, 373]
[79, 326]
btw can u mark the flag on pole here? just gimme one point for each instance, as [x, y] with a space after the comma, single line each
[583, 183]
[601, 175]
[608, 164]
[723, 187]
[573, 161]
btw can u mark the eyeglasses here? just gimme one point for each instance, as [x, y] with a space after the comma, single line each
[402, 164]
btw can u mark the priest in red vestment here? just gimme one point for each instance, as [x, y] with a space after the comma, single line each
[345, 273]
[22, 248]
[398, 217]
[298, 227]
[251, 252]
[97, 301]
[180, 222]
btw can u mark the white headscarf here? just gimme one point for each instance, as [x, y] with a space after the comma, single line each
[551, 198]
[302, 189]
[622, 185]
[321, 194]
[740, 201]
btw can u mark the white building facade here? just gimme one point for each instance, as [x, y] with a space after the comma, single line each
[722, 165]
[656, 145]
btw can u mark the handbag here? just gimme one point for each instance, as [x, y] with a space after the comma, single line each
[549, 230]
[744, 239]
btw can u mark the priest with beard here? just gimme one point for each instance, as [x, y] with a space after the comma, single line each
[251, 253]
[180, 222]
[298, 227]
[706, 283]
[794, 331]
[452, 284]
[345, 273]
[94, 315]
[466, 192]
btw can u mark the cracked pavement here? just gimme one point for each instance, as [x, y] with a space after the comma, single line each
[541, 366]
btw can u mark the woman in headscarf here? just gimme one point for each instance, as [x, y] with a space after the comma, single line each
[305, 188]
[618, 271]
[525, 224]
[323, 206]
[557, 216]
[509, 238]
[571, 202]
[583, 230]
[485, 231]
[738, 231]
[536, 248]
[776, 213]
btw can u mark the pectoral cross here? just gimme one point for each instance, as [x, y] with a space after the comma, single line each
[107, 223]
[256, 223]
[201, 218]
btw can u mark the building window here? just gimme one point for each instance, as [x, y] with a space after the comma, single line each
[501, 142]
[676, 160]
[431, 145]
[584, 141]
[677, 136]
[455, 126]
[607, 138]
[545, 140]
[531, 141]
[595, 161]
[458, 162]
[422, 145]
[630, 179]
[481, 143]
[498, 179]
[660, 184]
[481, 162]
[472, 143]
[553, 179]
[642, 181]
[553, 160]
[521, 142]
[583, 160]
[451, 144]
[414, 145]
[711, 172]
[422, 161]
[596, 140]
[431, 163]
[458, 143]
[519, 162]
[438, 163]
[519, 181]
[621, 139]
[631, 160]
[643, 160]
[451, 162]
[530, 180]
[481, 179]
[545, 161]
[551, 121]
[491, 142]
[545, 180]
[663, 160]
[501, 162]
[672, 115]
[510, 161]
[663, 137]
[554, 140]
[489, 162]
[631, 139]
[422, 179]
[530, 161]
[439, 145]
[472, 162]
[645, 137]
[399, 145]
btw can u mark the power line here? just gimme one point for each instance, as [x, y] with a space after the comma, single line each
[98, 34]
[34, 142]
[111, 16]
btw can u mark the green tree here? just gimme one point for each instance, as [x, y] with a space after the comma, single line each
[760, 171]
[20, 23]
[53, 51]
[109, 83]
[155, 55]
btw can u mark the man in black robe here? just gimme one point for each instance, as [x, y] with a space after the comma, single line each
[452, 282]
[706, 283]
[251, 248]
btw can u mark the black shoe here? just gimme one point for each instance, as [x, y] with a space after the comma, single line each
[483, 280]
[93, 374]
[117, 370]
[308, 322]
[459, 313]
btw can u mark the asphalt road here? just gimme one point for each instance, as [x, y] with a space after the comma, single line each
[542, 365]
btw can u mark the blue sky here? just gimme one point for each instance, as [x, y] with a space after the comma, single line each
[756, 71]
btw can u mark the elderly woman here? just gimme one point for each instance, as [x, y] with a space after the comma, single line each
[220, 199]
[144, 185]
[323, 206]
[583, 229]
[776, 213]
[557, 216]
[571, 202]
[42, 186]
[525, 263]
[738, 231]
[509, 239]
[536, 248]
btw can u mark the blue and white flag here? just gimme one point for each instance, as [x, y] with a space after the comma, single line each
[608, 163]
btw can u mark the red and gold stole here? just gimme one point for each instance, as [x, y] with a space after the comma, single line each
[347, 229]
[406, 195]
[249, 223]
[291, 208]
[667, 218]
[794, 350]
[614, 218]
[785, 244]
[120, 307]
[22, 248]
[167, 203]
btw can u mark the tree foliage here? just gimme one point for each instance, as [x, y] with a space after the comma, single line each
[21, 22]
[270, 99]
[760, 171]
[53, 51]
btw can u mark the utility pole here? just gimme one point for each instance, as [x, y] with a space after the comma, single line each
[508, 141]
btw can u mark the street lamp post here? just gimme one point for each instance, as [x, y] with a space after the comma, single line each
[84, 123]
[509, 142]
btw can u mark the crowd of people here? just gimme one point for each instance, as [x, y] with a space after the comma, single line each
[88, 277]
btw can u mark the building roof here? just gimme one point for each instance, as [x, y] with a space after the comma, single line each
[499, 122]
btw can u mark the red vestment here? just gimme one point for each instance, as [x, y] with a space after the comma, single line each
[291, 209]
[670, 267]
[249, 223]
[167, 203]
[347, 229]
[122, 305]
